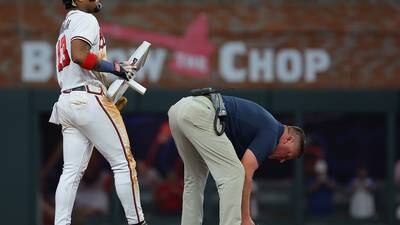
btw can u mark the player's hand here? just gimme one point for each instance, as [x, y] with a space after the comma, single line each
[121, 103]
[129, 68]
[125, 70]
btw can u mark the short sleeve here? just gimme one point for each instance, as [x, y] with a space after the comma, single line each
[263, 145]
[85, 28]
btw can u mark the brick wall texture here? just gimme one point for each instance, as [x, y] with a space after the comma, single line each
[362, 38]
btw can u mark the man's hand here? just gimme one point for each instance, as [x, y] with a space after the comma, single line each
[247, 221]
[121, 103]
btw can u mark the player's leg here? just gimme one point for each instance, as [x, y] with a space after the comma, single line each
[219, 155]
[109, 136]
[77, 150]
[195, 172]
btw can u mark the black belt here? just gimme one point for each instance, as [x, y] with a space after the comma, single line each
[207, 96]
[82, 88]
[79, 88]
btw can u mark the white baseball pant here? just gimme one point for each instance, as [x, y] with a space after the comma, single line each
[89, 120]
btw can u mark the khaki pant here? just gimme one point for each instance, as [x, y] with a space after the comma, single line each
[191, 122]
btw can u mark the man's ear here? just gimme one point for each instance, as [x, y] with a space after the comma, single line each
[289, 139]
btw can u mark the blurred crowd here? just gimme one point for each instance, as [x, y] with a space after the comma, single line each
[322, 189]
[360, 196]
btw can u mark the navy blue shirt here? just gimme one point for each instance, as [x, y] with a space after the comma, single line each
[249, 125]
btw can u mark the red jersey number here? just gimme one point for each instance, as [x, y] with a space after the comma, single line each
[62, 54]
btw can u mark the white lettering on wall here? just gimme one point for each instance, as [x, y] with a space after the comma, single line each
[237, 63]
[191, 61]
[268, 65]
[154, 65]
[227, 67]
[37, 61]
[317, 60]
[152, 69]
[288, 62]
[260, 66]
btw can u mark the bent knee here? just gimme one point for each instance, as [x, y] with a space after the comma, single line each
[234, 175]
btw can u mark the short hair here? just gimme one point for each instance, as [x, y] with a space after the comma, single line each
[68, 4]
[302, 138]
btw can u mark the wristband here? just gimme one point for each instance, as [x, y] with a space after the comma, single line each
[106, 66]
[90, 61]
[114, 68]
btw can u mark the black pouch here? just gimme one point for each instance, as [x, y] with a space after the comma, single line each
[220, 111]
[203, 91]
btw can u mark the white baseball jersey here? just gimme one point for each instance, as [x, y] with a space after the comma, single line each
[83, 26]
[89, 119]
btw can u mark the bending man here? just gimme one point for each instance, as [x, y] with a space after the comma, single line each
[251, 135]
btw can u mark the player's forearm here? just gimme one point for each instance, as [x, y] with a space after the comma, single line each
[246, 214]
[81, 55]
[93, 62]
[90, 61]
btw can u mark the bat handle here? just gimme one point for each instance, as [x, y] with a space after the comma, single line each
[137, 87]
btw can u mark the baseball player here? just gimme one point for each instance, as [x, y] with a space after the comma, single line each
[88, 118]
[251, 135]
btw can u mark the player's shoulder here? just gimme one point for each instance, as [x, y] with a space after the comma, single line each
[80, 17]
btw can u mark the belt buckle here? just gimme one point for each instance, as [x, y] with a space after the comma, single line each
[88, 89]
